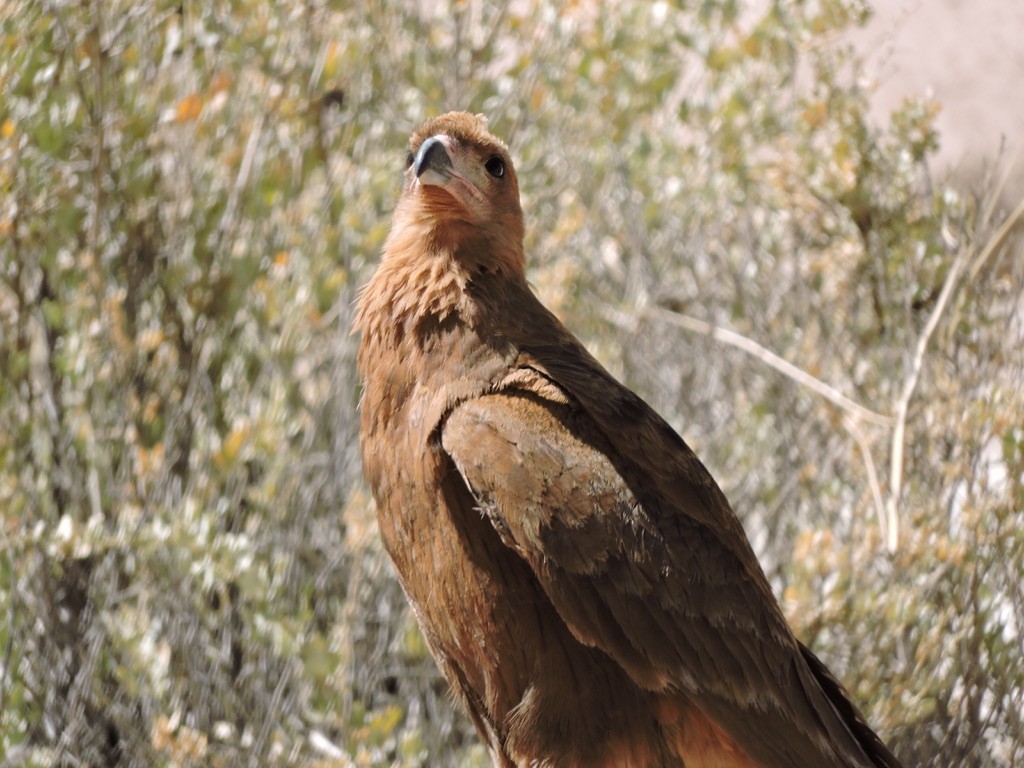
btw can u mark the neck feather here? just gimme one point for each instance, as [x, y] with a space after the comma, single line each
[425, 271]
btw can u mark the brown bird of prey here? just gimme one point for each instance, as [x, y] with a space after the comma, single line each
[580, 578]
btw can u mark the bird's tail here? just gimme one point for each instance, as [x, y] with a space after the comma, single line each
[872, 745]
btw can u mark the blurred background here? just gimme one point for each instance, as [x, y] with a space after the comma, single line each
[727, 201]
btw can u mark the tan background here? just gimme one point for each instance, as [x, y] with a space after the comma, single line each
[969, 56]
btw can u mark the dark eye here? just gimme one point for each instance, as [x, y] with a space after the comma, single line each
[496, 167]
[409, 158]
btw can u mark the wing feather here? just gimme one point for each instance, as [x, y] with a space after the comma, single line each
[663, 585]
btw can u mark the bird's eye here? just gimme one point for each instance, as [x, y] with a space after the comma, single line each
[496, 167]
[409, 158]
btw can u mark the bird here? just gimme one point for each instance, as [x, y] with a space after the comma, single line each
[581, 580]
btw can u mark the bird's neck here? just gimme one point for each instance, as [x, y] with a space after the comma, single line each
[425, 276]
[408, 289]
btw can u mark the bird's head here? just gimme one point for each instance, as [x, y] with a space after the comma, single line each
[461, 194]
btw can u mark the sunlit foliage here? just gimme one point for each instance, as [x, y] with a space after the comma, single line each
[190, 195]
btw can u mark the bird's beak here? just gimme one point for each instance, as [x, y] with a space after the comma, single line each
[433, 164]
[436, 167]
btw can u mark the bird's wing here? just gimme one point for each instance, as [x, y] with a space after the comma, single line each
[668, 587]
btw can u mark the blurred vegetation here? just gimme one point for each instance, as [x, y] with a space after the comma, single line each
[190, 195]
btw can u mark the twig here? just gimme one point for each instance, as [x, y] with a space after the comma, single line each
[98, 116]
[909, 387]
[998, 239]
[8, 649]
[772, 360]
[903, 404]
[869, 465]
[993, 197]
[271, 716]
[228, 220]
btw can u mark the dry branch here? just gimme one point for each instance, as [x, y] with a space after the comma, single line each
[772, 360]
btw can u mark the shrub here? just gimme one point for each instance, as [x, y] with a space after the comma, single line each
[192, 195]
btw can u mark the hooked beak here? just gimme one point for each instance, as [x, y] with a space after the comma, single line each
[433, 164]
